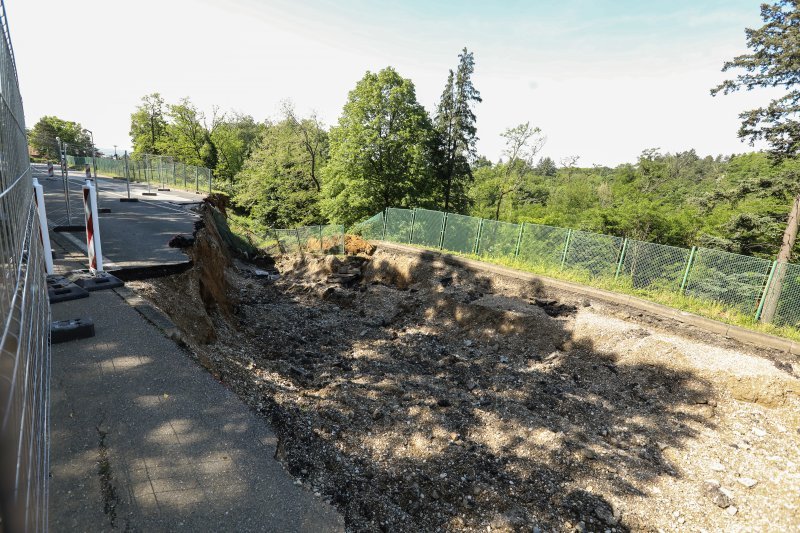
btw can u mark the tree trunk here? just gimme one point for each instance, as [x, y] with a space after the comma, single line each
[789, 237]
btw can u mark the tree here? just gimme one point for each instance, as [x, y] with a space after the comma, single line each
[546, 167]
[234, 138]
[277, 184]
[42, 137]
[188, 138]
[568, 163]
[379, 150]
[148, 125]
[523, 142]
[456, 133]
[775, 62]
[313, 138]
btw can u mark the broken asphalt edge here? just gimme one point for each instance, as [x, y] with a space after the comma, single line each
[763, 340]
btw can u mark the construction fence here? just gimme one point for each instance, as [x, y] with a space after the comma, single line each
[157, 171]
[25, 319]
[765, 290]
[324, 239]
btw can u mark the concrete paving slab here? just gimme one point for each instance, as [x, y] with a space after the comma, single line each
[143, 439]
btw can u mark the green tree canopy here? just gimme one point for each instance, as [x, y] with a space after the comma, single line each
[187, 135]
[279, 184]
[148, 125]
[42, 137]
[775, 62]
[512, 177]
[379, 151]
[234, 137]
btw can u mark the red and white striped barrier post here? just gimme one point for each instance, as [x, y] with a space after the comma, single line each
[44, 235]
[93, 247]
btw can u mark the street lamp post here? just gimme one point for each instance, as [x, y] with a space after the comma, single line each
[115, 151]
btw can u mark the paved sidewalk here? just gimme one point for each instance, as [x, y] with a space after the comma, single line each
[143, 439]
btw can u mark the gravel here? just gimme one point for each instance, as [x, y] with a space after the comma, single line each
[413, 404]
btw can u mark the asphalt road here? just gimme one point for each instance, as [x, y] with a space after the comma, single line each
[133, 234]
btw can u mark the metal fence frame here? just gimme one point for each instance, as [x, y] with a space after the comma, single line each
[158, 171]
[732, 281]
[324, 239]
[25, 314]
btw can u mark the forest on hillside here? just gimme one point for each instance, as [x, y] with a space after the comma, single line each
[387, 150]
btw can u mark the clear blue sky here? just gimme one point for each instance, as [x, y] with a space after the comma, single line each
[603, 79]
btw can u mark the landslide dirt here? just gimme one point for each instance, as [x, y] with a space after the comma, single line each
[420, 397]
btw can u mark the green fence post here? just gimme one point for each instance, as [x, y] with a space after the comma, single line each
[413, 219]
[444, 226]
[767, 287]
[196, 180]
[566, 247]
[689, 263]
[321, 247]
[385, 216]
[297, 234]
[519, 240]
[621, 258]
[478, 237]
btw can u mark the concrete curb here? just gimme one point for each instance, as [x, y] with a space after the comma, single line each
[762, 340]
[150, 313]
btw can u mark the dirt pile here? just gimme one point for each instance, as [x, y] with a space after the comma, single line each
[420, 397]
[356, 245]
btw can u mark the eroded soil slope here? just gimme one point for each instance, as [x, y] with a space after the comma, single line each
[419, 397]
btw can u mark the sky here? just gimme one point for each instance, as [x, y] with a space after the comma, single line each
[603, 79]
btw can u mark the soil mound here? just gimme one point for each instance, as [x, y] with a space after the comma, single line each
[356, 245]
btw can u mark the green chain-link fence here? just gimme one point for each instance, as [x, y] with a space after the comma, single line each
[786, 277]
[324, 239]
[370, 229]
[461, 233]
[755, 287]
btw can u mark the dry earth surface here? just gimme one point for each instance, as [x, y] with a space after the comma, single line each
[421, 397]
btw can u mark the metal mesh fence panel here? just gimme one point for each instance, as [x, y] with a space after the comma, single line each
[461, 233]
[325, 239]
[427, 228]
[309, 238]
[730, 279]
[653, 266]
[398, 225]
[498, 239]
[542, 246]
[332, 237]
[370, 229]
[592, 253]
[287, 240]
[787, 310]
[25, 314]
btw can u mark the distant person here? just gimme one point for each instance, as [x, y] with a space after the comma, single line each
[50, 169]
[88, 172]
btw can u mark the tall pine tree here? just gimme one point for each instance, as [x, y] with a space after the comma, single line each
[456, 134]
[775, 62]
